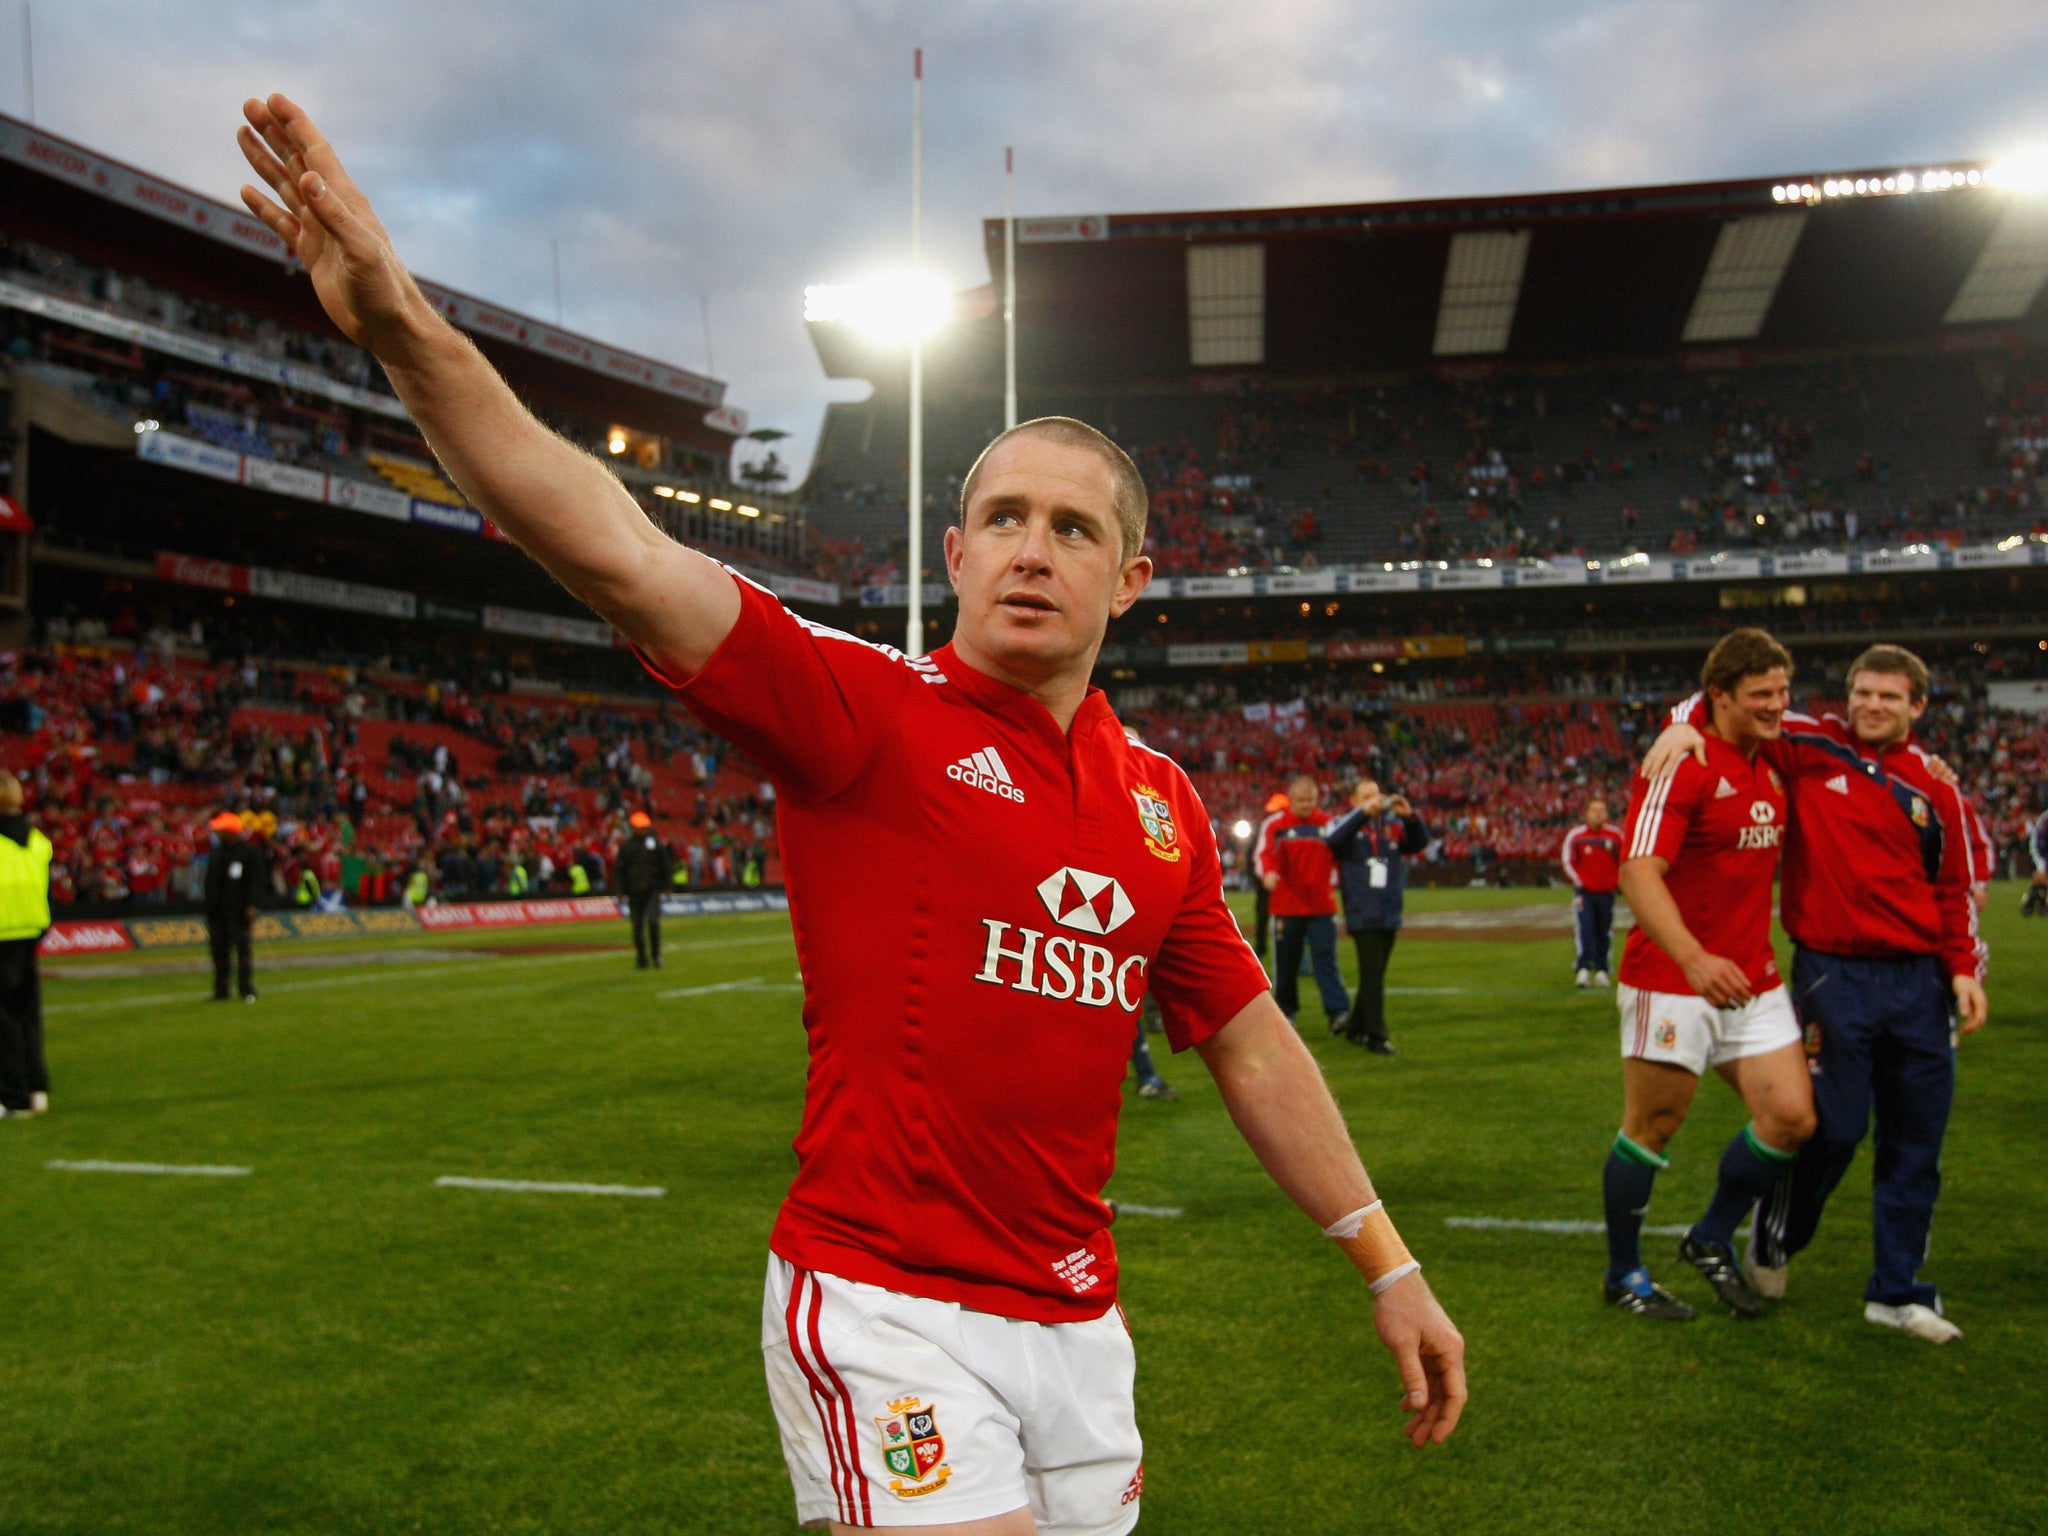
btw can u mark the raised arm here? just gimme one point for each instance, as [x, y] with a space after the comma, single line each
[1276, 1095]
[548, 496]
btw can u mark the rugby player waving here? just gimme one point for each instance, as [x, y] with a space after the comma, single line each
[985, 880]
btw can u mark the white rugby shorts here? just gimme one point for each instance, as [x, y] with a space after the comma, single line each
[1690, 1032]
[899, 1410]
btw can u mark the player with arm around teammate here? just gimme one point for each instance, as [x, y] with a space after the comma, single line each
[2035, 901]
[1592, 863]
[985, 880]
[1887, 972]
[1699, 981]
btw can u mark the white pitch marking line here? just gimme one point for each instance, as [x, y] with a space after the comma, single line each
[184, 1170]
[535, 1187]
[747, 984]
[1125, 1208]
[1504, 1224]
[379, 973]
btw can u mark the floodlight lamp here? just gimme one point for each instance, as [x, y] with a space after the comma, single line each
[720, 504]
[664, 490]
[904, 307]
[2026, 171]
[746, 511]
[1241, 829]
[617, 444]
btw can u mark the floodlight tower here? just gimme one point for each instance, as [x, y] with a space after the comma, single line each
[1009, 288]
[914, 564]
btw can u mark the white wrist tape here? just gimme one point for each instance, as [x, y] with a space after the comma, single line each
[1369, 1240]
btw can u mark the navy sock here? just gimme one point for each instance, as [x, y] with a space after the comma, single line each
[1631, 1171]
[1749, 1173]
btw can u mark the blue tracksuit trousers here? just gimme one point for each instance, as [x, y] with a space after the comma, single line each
[1877, 1039]
[1595, 916]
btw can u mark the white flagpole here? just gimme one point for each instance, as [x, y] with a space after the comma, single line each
[914, 564]
[1009, 288]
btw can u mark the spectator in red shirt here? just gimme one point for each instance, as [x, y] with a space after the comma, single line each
[1298, 870]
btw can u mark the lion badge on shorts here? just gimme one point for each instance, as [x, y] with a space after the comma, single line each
[1667, 1034]
[912, 1447]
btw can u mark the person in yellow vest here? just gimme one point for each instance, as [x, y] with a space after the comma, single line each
[579, 878]
[24, 916]
[416, 888]
[307, 891]
[518, 882]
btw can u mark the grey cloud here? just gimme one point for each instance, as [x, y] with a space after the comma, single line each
[746, 147]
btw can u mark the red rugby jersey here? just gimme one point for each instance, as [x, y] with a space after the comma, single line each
[980, 905]
[1878, 860]
[1592, 857]
[1719, 829]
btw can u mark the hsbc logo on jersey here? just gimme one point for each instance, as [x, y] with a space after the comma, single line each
[1080, 898]
[1763, 831]
[1057, 966]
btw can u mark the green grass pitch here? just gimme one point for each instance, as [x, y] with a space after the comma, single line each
[335, 1345]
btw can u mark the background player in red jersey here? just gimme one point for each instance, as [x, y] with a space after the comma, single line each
[1699, 982]
[1877, 898]
[940, 1327]
[1591, 856]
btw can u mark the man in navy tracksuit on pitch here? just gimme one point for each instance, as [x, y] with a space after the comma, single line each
[1372, 842]
[1876, 895]
[1592, 863]
[2036, 899]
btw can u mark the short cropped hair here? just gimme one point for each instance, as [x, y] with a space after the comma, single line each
[1893, 661]
[1739, 654]
[1131, 502]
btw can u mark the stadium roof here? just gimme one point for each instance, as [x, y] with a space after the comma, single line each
[69, 196]
[1931, 255]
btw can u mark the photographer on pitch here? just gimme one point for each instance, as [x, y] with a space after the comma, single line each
[1371, 843]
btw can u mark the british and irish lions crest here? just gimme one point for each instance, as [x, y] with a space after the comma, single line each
[1162, 839]
[912, 1448]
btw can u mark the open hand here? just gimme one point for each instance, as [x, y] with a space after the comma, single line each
[323, 216]
[1670, 749]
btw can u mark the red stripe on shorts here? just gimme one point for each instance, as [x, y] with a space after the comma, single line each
[819, 1397]
[867, 1513]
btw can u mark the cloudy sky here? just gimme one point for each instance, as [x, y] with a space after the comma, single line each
[739, 149]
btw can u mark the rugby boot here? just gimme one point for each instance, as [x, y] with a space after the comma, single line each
[1716, 1262]
[1640, 1296]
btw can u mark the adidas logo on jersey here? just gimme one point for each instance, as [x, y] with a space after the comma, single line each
[985, 770]
[1839, 783]
[1723, 790]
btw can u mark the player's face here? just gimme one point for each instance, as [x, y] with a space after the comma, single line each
[1039, 566]
[1596, 813]
[1366, 796]
[1302, 798]
[1882, 708]
[1755, 707]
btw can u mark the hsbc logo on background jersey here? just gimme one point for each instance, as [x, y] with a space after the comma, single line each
[1059, 966]
[986, 770]
[1079, 898]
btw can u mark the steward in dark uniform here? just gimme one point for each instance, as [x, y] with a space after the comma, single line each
[236, 873]
[1373, 842]
[643, 868]
[24, 915]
